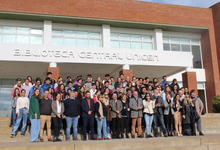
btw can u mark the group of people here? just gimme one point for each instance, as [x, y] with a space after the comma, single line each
[105, 108]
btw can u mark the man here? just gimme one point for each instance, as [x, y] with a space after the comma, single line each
[72, 113]
[116, 108]
[45, 116]
[22, 114]
[164, 82]
[136, 106]
[199, 108]
[37, 85]
[88, 108]
[27, 86]
[46, 85]
[158, 113]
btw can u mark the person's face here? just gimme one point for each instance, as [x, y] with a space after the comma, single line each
[70, 84]
[72, 94]
[124, 97]
[46, 94]
[135, 94]
[148, 98]
[37, 83]
[165, 78]
[87, 95]
[19, 83]
[27, 82]
[49, 75]
[168, 96]
[58, 97]
[194, 94]
[177, 97]
[17, 92]
[37, 92]
[62, 87]
[114, 96]
[47, 82]
[23, 93]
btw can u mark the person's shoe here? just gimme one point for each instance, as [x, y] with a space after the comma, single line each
[12, 136]
[50, 139]
[127, 136]
[92, 138]
[22, 134]
[41, 140]
[201, 134]
[133, 137]
[75, 139]
[140, 136]
[149, 136]
[84, 138]
[99, 138]
[68, 139]
[57, 140]
[107, 138]
[122, 136]
[165, 135]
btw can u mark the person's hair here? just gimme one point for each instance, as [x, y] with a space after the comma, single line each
[69, 82]
[23, 90]
[48, 73]
[47, 90]
[15, 92]
[107, 75]
[164, 77]
[37, 96]
[192, 91]
[38, 79]
[187, 99]
[55, 95]
[18, 79]
[47, 78]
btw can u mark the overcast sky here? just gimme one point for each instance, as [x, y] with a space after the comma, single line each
[196, 3]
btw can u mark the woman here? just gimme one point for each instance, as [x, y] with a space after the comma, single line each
[178, 114]
[188, 117]
[168, 114]
[61, 89]
[34, 114]
[125, 113]
[149, 106]
[101, 114]
[57, 115]
[16, 95]
[108, 117]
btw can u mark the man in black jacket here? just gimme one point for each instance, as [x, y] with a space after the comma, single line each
[45, 115]
[158, 114]
[72, 113]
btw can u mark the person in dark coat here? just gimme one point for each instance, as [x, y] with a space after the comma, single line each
[188, 117]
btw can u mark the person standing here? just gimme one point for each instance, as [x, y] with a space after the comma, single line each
[45, 116]
[199, 106]
[149, 106]
[88, 108]
[116, 108]
[125, 113]
[22, 108]
[13, 106]
[101, 114]
[72, 113]
[178, 105]
[136, 106]
[57, 115]
[34, 115]
[27, 86]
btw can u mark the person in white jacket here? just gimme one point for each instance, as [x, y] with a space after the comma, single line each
[22, 108]
[149, 106]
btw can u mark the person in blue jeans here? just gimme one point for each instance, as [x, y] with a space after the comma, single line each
[34, 115]
[101, 113]
[149, 106]
[22, 114]
[16, 95]
[72, 112]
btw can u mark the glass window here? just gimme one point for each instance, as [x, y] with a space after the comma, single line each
[82, 42]
[197, 63]
[136, 37]
[124, 44]
[36, 31]
[147, 46]
[175, 47]
[185, 48]
[7, 29]
[166, 46]
[69, 41]
[94, 43]
[23, 39]
[36, 40]
[115, 44]
[22, 30]
[57, 41]
[8, 38]
[136, 45]
[125, 37]
[147, 38]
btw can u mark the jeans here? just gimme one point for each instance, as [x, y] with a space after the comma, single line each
[72, 121]
[159, 120]
[102, 127]
[22, 116]
[198, 124]
[148, 120]
[13, 112]
[35, 130]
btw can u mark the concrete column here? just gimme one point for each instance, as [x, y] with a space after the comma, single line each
[106, 43]
[55, 70]
[47, 32]
[158, 42]
[126, 71]
[189, 80]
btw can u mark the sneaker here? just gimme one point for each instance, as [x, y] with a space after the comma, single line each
[50, 139]
[107, 138]
[12, 136]
[99, 138]
[201, 134]
[127, 136]
[75, 139]
[41, 140]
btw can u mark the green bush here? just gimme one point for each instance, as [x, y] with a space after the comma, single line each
[216, 104]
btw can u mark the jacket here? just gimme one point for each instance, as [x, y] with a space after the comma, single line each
[168, 107]
[198, 104]
[54, 109]
[115, 108]
[134, 103]
[34, 108]
[85, 108]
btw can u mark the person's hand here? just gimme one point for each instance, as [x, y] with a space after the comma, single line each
[35, 115]
[184, 116]
[100, 118]
[117, 112]
[89, 112]
[157, 105]
[128, 109]
[78, 116]
[63, 116]
[58, 115]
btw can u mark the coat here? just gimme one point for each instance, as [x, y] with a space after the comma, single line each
[34, 108]
[115, 108]
[167, 107]
[134, 104]
[199, 105]
[188, 111]
[54, 108]
[158, 100]
[85, 108]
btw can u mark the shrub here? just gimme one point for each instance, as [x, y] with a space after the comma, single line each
[216, 104]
